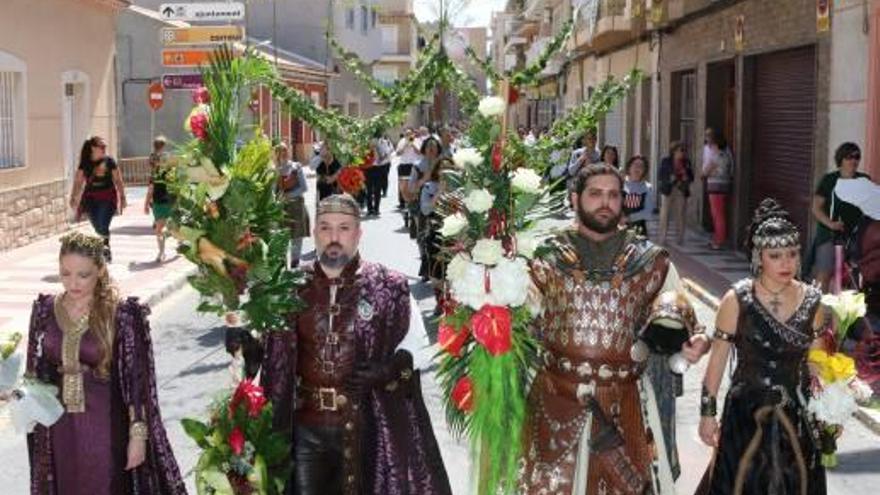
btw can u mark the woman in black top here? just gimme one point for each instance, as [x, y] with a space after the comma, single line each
[839, 221]
[675, 177]
[98, 190]
[328, 172]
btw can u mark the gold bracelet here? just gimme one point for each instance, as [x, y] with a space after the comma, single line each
[138, 431]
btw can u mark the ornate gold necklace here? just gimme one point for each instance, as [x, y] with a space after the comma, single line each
[72, 331]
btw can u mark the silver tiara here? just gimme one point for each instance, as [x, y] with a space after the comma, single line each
[776, 241]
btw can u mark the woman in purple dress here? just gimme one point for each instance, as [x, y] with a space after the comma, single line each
[96, 348]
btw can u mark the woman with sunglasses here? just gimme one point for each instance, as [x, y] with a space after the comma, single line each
[834, 217]
[98, 189]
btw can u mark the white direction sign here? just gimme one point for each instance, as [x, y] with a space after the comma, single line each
[210, 11]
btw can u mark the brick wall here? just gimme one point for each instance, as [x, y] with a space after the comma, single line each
[769, 26]
[31, 213]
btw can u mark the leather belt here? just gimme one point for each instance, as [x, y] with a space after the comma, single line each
[322, 399]
[589, 370]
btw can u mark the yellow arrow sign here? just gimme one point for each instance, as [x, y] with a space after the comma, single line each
[200, 35]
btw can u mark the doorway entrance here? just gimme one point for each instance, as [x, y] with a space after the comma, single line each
[720, 116]
[74, 123]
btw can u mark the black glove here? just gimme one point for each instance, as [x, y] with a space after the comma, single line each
[369, 375]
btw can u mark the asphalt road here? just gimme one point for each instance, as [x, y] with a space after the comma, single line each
[192, 369]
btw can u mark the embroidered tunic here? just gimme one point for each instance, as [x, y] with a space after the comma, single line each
[593, 309]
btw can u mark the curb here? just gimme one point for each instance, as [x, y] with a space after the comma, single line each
[176, 284]
[694, 289]
[869, 421]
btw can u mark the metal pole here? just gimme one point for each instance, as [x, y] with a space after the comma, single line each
[152, 127]
[275, 32]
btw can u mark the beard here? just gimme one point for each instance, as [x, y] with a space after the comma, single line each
[592, 222]
[335, 260]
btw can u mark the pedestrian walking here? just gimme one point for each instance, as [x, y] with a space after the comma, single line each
[345, 364]
[98, 189]
[638, 199]
[764, 442]
[373, 174]
[675, 177]
[418, 177]
[159, 198]
[408, 155]
[95, 347]
[717, 171]
[292, 187]
[386, 151]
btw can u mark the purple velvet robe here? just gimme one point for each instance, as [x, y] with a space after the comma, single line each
[398, 451]
[92, 446]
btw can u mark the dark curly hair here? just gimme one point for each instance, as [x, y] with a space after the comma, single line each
[592, 170]
[770, 220]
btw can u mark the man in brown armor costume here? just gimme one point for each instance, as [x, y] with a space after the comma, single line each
[593, 425]
[339, 381]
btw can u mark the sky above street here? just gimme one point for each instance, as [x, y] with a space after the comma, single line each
[478, 13]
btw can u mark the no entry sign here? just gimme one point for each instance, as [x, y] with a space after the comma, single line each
[155, 96]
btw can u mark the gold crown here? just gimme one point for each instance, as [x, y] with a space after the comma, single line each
[343, 204]
[79, 242]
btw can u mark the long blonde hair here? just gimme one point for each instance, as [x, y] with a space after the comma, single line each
[105, 298]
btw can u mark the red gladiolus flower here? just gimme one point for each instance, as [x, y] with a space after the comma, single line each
[463, 394]
[451, 339]
[236, 441]
[497, 156]
[199, 125]
[491, 327]
[250, 393]
[201, 96]
[351, 180]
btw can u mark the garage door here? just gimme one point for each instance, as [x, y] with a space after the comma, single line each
[783, 130]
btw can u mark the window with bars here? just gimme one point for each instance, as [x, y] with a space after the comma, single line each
[11, 120]
[349, 18]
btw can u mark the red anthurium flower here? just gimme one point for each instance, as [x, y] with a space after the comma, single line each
[452, 339]
[463, 394]
[251, 394]
[236, 441]
[497, 156]
[491, 326]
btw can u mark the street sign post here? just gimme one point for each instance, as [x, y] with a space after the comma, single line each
[155, 96]
[210, 11]
[182, 81]
[200, 35]
[155, 99]
[185, 58]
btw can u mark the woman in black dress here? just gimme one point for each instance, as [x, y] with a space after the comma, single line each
[328, 173]
[765, 443]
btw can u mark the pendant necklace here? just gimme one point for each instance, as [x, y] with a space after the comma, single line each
[775, 303]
